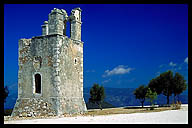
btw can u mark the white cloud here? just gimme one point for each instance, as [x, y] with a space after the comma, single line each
[186, 60]
[172, 64]
[119, 70]
[179, 68]
[106, 81]
[162, 65]
[157, 73]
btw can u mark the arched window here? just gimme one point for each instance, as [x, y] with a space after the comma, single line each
[75, 61]
[37, 83]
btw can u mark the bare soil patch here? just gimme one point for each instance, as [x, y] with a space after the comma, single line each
[97, 112]
[109, 111]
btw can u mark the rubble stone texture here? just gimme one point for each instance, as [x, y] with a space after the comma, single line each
[50, 76]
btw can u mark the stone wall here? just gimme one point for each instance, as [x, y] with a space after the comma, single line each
[71, 75]
[33, 107]
[36, 58]
[59, 62]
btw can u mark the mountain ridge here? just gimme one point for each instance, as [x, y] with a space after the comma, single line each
[118, 97]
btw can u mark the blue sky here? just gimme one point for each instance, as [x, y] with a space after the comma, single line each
[124, 45]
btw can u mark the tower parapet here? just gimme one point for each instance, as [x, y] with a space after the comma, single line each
[45, 30]
[55, 22]
[75, 20]
[65, 19]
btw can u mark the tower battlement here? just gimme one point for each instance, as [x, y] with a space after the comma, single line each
[57, 23]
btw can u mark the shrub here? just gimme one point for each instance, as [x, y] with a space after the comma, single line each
[176, 106]
[7, 112]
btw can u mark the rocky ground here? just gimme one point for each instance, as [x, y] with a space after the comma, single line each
[163, 117]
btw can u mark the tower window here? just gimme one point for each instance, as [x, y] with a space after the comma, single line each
[37, 83]
[75, 61]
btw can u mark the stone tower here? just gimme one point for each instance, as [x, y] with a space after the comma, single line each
[50, 76]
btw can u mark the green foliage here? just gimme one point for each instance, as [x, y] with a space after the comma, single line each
[150, 95]
[166, 79]
[97, 95]
[140, 93]
[7, 112]
[155, 85]
[5, 93]
[179, 84]
[168, 84]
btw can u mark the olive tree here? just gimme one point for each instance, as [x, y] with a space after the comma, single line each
[140, 93]
[97, 95]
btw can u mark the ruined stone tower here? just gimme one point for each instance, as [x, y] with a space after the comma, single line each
[50, 76]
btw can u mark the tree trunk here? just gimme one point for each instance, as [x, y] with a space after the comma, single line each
[142, 103]
[174, 98]
[178, 98]
[167, 99]
[99, 105]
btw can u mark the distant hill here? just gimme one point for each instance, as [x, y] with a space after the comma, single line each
[104, 104]
[12, 96]
[117, 97]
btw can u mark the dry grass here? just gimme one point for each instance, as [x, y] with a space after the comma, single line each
[97, 112]
[124, 111]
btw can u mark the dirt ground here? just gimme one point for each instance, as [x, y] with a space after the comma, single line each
[161, 115]
[98, 112]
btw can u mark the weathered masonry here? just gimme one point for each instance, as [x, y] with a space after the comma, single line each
[50, 76]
